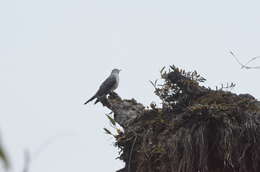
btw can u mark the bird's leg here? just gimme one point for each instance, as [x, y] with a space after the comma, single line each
[113, 94]
[103, 100]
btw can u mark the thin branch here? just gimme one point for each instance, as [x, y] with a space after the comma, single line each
[254, 58]
[246, 64]
[236, 58]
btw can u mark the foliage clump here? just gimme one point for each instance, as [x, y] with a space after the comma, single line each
[197, 129]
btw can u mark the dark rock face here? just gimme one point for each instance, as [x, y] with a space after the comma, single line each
[197, 129]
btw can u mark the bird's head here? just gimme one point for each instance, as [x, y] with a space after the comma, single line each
[115, 71]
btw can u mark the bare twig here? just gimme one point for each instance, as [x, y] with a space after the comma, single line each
[254, 58]
[246, 64]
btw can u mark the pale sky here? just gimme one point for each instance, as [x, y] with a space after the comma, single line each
[55, 53]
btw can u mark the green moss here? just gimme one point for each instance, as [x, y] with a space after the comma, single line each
[197, 129]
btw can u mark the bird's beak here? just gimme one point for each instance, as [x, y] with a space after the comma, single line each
[120, 70]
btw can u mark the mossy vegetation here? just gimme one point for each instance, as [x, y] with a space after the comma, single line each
[198, 129]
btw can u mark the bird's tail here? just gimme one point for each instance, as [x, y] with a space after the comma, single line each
[90, 100]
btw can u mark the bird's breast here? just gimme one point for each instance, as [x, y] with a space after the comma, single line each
[117, 82]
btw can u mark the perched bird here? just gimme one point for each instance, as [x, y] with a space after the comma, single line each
[109, 85]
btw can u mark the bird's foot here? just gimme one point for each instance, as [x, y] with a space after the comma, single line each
[104, 101]
[113, 95]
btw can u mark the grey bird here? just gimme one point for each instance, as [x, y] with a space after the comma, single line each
[108, 86]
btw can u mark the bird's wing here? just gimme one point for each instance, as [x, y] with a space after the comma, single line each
[106, 86]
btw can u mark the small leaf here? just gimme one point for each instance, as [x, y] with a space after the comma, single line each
[107, 131]
[161, 71]
[111, 120]
[153, 83]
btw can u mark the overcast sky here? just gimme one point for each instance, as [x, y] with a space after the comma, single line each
[55, 53]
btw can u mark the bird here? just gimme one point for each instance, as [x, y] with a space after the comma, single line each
[108, 86]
